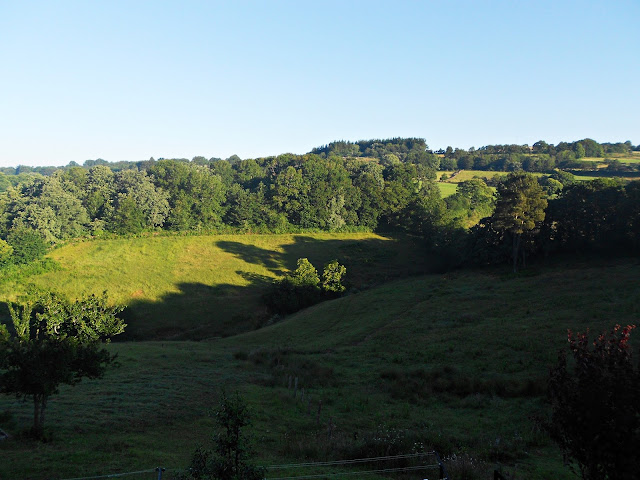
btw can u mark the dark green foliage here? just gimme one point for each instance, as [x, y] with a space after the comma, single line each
[302, 288]
[382, 185]
[520, 209]
[54, 341]
[6, 253]
[229, 459]
[595, 401]
[127, 218]
[43, 205]
[296, 291]
[27, 245]
[195, 194]
[588, 216]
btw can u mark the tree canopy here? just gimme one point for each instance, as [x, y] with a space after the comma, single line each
[54, 341]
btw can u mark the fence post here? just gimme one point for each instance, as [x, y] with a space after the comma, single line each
[443, 471]
[159, 470]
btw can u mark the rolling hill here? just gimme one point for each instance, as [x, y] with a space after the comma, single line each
[456, 361]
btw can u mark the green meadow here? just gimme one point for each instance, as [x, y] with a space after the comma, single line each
[456, 362]
[447, 189]
[195, 287]
[632, 157]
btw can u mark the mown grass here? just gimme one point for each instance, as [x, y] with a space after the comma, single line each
[457, 362]
[197, 287]
[447, 189]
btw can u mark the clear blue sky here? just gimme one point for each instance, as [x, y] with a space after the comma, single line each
[127, 80]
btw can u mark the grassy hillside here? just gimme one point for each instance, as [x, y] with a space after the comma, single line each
[197, 287]
[457, 362]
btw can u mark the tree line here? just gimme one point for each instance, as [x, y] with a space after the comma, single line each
[390, 186]
[275, 194]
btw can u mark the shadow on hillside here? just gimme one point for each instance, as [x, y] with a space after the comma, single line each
[368, 261]
[198, 311]
[195, 311]
[252, 254]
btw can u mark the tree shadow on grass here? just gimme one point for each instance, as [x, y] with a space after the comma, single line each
[369, 261]
[251, 254]
[197, 311]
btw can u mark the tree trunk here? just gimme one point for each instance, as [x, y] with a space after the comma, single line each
[39, 406]
[516, 249]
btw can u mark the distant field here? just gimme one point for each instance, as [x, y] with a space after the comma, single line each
[633, 157]
[201, 286]
[457, 362]
[447, 189]
[464, 175]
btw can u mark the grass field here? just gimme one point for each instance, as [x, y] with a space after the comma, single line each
[457, 362]
[447, 189]
[633, 157]
[199, 287]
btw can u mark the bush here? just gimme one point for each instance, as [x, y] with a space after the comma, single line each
[27, 245]
[595, 404]
[332, 277]
[302, 288]
[6, 253]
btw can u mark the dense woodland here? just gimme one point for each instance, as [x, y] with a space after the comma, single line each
[377, 185]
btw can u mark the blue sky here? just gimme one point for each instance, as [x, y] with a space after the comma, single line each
[128, 80]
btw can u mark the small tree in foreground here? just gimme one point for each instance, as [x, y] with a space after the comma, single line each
[229, 458]
[595, 402]
[53, 341]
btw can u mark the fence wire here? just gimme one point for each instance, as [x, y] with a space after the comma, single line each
[150, 474]
[159, 473]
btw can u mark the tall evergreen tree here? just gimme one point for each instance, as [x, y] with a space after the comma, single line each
[520, 208]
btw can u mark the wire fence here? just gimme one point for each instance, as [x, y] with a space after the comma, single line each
[427, 462]
[149, 474]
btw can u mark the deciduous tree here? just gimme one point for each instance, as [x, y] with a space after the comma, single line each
[52, 342]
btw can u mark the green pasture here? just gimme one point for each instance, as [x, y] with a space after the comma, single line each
[195, 287]
[447, 189]
[464, 175]
[633, 157]
[456, 362]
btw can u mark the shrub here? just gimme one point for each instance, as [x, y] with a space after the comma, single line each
[6, 253]
[302, 288]
[27, 245]
[595, 404]
[332, 277]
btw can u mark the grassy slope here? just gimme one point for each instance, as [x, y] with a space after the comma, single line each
[398, 355]
[202, 286]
